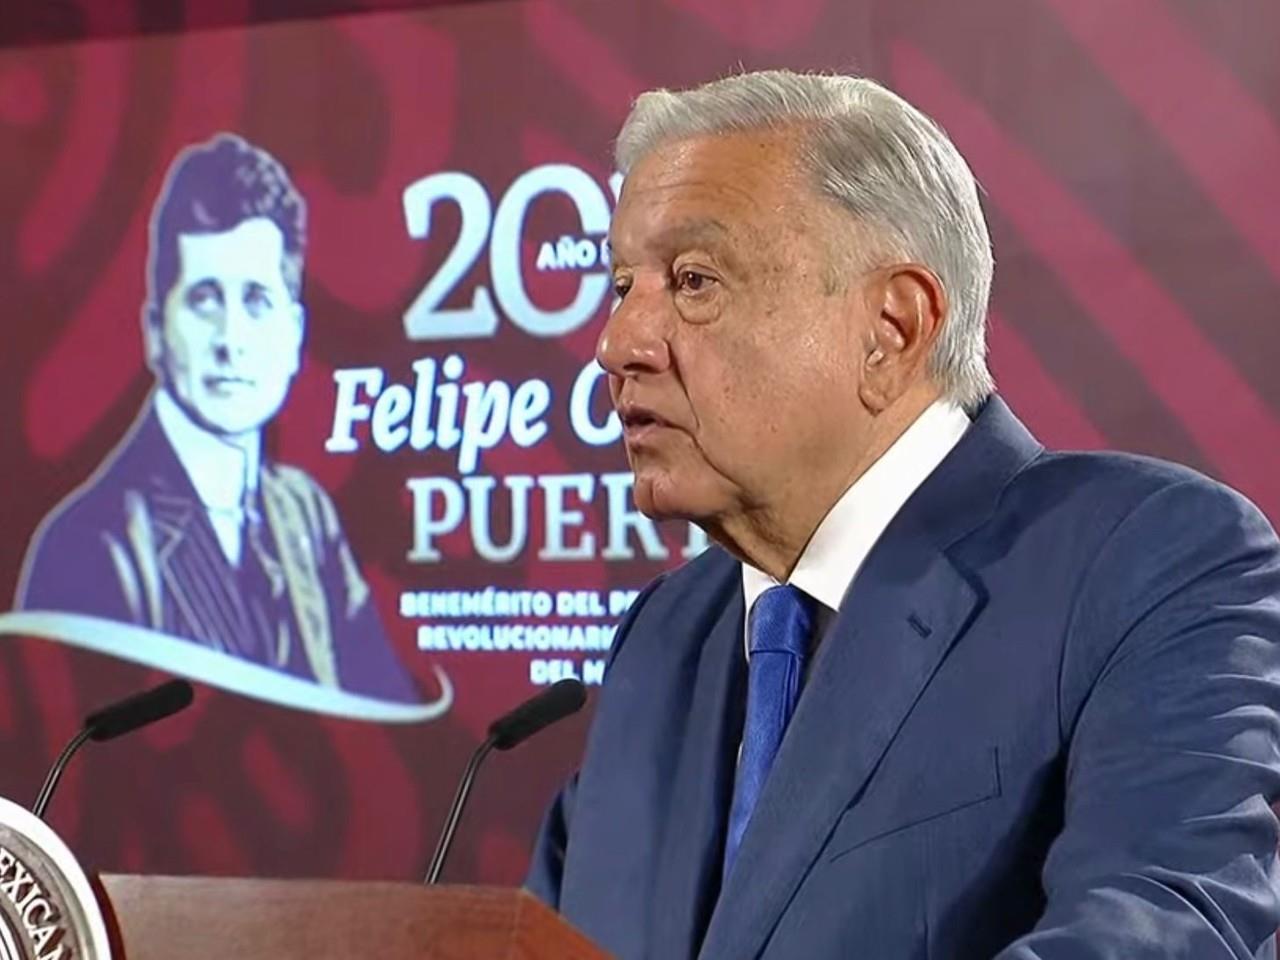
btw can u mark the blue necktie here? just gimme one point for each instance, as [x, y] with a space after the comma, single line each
[779, 629]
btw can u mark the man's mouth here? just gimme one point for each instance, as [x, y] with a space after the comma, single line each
[227, 381]
[638, 420]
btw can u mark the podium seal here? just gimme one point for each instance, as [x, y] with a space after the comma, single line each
[48, 911]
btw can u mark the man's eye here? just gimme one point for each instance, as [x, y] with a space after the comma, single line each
[620, 288]
[257, 302]
[691, 281]
[204, 298]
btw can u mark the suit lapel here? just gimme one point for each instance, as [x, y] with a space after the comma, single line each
[898, 622]
[688, 873]
[201, 597]
[907, 607]
[207, 603]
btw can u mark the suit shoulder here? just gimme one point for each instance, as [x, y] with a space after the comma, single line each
[1174, 503]
[694, 591]
[69, 543]
[1143, 530]
[1190, 561]
[1120, 475]
[81, 516]
[98, 502]
[696, 579]
[1105, 488]
[1071, 509]
[699, 585]
[708, 574]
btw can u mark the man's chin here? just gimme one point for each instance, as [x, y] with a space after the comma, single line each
[232, 427]
[234, 414]
[665, 498]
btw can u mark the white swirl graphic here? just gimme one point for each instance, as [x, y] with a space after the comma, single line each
[184, 658]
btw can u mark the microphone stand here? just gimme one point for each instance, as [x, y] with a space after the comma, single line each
[115, 721]
[508, 731]
[455, 809]
[55, 774]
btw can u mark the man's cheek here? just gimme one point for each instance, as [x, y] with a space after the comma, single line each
[179, 354]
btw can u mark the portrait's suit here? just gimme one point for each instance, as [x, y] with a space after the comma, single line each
[1042, 725]
[136, 545]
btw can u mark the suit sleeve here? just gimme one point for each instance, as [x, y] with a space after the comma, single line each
[1168, 845]
[546, 867]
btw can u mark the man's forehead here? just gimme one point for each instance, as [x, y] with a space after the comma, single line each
[254, 247]
[702, 189]
[753, 149]
[660, 231]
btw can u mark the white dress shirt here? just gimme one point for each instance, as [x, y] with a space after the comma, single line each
[838, 548]
[225, 475]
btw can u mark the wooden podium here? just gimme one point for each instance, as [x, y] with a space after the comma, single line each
[201, 918]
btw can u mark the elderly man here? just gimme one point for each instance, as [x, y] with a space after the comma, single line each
[188, 528]
[995, 701]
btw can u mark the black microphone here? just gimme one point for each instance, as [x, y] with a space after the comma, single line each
[115, 721]
[555, 703]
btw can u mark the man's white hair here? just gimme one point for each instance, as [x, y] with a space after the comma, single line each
[880, 158]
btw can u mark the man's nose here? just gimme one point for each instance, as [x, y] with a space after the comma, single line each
[635, 337]
[232, 329]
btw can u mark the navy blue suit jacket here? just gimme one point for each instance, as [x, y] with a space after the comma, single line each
[1043, 725]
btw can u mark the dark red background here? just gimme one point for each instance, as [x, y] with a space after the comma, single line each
[1129, 150]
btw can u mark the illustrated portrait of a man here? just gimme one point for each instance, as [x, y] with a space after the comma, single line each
[187, 527]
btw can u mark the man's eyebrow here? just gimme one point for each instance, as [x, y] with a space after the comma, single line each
[690, 233]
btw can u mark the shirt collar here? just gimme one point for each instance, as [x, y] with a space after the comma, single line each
[836, 551]
[219, 471]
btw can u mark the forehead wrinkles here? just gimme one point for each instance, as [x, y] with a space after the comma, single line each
[728, 179]
[661, 219]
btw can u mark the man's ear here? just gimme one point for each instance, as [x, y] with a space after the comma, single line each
[908, 307]
[152, 338]
[300, 334]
